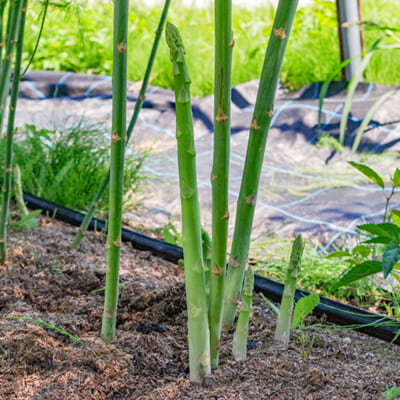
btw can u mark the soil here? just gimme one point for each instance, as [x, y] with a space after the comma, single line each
[44, 279]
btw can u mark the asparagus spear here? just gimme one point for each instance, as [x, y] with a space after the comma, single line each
[239, 346]
[196, 293]
[263, 113]
[118, 140]
[282, 330]
[220, 170]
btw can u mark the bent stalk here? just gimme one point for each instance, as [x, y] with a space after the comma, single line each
[196, 294]
[118, 139]
[220, 170]
[7, 180]
[262, 116]
[138, 106]
[282, 330]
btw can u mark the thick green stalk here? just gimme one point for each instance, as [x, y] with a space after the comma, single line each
[138, 106]
[239, 345]
[118, 139]
[220, 171]
[196, 293]
[11, 39]
[263, 113]
[282, 330]
[7, 177]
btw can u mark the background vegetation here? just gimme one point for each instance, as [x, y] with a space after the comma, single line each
[78, 38]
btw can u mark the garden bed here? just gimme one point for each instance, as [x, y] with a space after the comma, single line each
[149, 359]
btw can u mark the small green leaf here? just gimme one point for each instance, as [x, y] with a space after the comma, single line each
[390, 258]
[304, 307]
[338, 254]
[362, 251]
[396, 178]
[378, 240]
[396, 217]
[168, 235]
[369, 173]
[362, 270]
[30, 216]
[379, 229]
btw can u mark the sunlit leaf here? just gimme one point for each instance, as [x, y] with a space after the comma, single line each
[304, 307]
[369, 173]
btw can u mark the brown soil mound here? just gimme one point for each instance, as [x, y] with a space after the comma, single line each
[149, 358]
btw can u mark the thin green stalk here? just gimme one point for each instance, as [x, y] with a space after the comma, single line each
[196, 293]
[239, 345]
[11, 38]
[220, 172]
[282, 330]
[138, 106]
[7, 179]
[263, 113]
[118, 139]
[3, 4]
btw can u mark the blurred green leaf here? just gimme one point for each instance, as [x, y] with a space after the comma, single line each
[304, 307]
[369, 173]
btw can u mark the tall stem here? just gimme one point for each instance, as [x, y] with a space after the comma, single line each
[7, 179]
[118, 139]
[263, 113]
[220, 170]
[3, 4]
[138, 106]
[196, 294]
[11, 38]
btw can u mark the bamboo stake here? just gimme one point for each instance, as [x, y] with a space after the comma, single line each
[262, 116]
[118, 139]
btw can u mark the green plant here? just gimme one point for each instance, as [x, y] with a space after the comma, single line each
[118, 142]
[51, 326]
[380, 44]
[239, 343]
[261, 120]
[195, 280]
[15, 35]
[391, 393]
[138, 106]
[205, 281]
[52, 164]
[27, 221]
[282, 330]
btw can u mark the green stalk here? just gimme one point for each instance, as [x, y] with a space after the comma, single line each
[7, 177]
[19, 197]
[220, 172]
[138, 106]
[282, 330]
[263, 113]
[196, 293]
[3, 4]
[11, 38]
[118, 139]
[239, 345]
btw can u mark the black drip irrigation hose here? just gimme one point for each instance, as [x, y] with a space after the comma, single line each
[338, 313]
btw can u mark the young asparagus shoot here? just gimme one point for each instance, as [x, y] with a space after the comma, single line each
[262, 116]
[118, 140]
[196, 293]
[239, 345]
[282, 330]
[138, 106]
[220, 171]
[7, 180]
